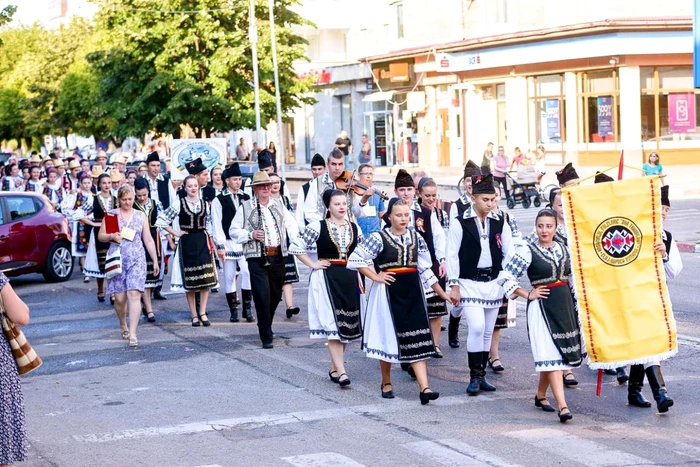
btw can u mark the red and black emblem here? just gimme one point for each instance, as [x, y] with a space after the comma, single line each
[617, 241]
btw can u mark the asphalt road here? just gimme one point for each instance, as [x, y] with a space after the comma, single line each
[212, 397]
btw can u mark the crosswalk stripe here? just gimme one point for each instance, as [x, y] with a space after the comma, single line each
[322, 459]
[453, 453]
[581, 450]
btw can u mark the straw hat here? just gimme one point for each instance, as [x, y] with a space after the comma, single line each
[116, 176]
[121, 158]
[35, 159]
[73, 164]
[58, 163]
[261, 178]
[96, 171]
[101, 155]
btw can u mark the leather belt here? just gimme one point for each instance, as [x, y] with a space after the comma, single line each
[482, 275]
[272, 251]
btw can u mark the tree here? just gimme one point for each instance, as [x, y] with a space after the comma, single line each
[168, 63]
[6, 14]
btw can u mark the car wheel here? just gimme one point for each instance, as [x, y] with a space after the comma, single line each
[59, 263]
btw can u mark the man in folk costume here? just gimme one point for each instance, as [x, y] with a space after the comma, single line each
[477, 244]
[673, 265]
[163, 192]
[567, 176]
[262, 226]
[71, 183]
[223, 210]
[318, 168]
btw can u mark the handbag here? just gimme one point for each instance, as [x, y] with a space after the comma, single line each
[113, 263]
[25, 356]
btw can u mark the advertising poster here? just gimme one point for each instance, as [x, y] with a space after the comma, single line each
[681, 113]
[605, 116]
[552, 109]
[211, 150]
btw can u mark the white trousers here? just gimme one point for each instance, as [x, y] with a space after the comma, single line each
[230, 274]
[481, 322]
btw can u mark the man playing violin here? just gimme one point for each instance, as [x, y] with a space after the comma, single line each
[374, 209]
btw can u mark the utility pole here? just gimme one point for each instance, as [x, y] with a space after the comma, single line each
[253, 34]
[280, 131]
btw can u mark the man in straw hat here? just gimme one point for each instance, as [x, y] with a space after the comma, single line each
[263, 226]
[101, 160]
[117, 178]
[70, 178]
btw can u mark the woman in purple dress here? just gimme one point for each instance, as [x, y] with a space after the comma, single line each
[128, 286]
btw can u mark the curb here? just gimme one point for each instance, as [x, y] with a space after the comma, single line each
[688, 247]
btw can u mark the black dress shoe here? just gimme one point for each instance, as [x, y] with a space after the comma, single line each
[292, 311]
[343, 382]
[387, 394]
[474, 386]
[426, 397]
[486, 386]
[570, 380]
[267, 345]
[546, 407]
[637, 399]
[610, 372]
[157, 295]
[335, 379]
[438, 353]
[564, 417]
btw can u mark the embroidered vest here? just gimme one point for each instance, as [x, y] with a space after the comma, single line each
[470, 249]
[251, 249]
[327, 247]
[191, 221]
[544, 270]
[395, 255]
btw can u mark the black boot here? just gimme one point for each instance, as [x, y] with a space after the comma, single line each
[235, 298]
[658, 388]
[233, 307]
[247, 296]
[157, 293]
[622, 377]
[634, 387]
[485, 385]
[475, 368]
[453, 332]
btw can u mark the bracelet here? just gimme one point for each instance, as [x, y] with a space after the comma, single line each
[528, 295]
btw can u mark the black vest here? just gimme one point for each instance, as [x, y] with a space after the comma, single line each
[152, 217]
[305, 188]
[667, 241]
[163, 193]
[191, 221]
[392, 254]
[422, 224]
[326, 246]
[228, 210]
[461, 207]
[541, 267]
[98, 211]
[470, 249]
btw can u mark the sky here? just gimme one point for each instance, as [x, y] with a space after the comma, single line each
[29, 11]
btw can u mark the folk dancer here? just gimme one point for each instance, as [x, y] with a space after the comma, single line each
[457, 210]
[52, 189]
[673, 265]
[223, 211]
[81, 199]
[396, 328]
[150, 209]
[71, 180]
[35, 184]
[162, 191]
[334, 296]
[262, 226]
[477, 244]
[425, 221]
[12, 181]
[92, 215]
[552, 323]
[188, 219]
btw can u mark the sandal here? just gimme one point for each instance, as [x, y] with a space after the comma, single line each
[195, 322]
[204, 319]
[151, 317]
[125, 334]
[335, 379]
[496, 365]
[133, 342]
[570, 381]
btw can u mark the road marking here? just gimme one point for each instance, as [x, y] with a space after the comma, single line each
[581, 450]
[322, 459]
[453, 453]
[210, 465]
[647, 437]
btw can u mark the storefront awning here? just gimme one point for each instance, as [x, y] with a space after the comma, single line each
[378, 96]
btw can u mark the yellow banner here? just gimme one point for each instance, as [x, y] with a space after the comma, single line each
[623, 301]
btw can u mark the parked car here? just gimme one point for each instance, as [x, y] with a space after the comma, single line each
[4, 156]
[34, 237]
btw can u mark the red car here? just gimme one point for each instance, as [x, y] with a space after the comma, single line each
[34, 237]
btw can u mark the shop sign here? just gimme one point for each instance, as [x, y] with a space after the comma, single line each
[681, 113]
[552, 116]
[394, 75]
[318, 77]
[605, 116]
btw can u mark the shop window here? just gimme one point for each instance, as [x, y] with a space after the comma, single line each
[550, 109]
[601, 107]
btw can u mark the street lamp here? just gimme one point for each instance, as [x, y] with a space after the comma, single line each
[280, 133]
[253, 34]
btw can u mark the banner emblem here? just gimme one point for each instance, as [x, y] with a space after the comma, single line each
[617, 241]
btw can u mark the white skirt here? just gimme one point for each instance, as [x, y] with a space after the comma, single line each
[545, 353]
[378, 333]
[321, 317]
[92, 267]
[233, 250]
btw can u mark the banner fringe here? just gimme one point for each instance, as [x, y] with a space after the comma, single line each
[636, 361]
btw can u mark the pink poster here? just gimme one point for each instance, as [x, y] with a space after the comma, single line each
[681, 113]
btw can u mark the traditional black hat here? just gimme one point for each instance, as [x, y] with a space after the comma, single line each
[196, 166]
[567, 174]
[152, 157]
[403, 179]
[318, 161]
[664, 196]
[264, 159]
[471, 169]
[140, 183]
[233, 170]
[483, 185]
[600, 177]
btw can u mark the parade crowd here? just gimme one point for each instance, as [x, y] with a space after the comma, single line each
[385, 269]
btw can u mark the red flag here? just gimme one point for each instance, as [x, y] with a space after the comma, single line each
[622, 164]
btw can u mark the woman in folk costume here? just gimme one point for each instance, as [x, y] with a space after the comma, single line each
[81, 199]
[552, 323]
[477, 244]
[223, 211]
[53, 189]
[35, 184]
[92, 215]
[396, 327]
[334, 296]
[494, 360]
[193, 269]
[150, 209]
[673, 265]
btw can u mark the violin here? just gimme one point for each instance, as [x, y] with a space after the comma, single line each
[346, 182]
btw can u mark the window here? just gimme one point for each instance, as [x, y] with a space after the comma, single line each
[21, 207]
[399, 20]
[669, 105]
[346, 113]
[550, 109]
[601, 107]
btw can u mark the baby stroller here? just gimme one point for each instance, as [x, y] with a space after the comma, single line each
[523, 187]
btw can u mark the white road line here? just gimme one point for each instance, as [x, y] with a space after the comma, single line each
[210, 465]
[581, 450]
[453, 453]
[322, 459]
[651, 439]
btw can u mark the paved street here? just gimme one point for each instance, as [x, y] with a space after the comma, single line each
[212, 397]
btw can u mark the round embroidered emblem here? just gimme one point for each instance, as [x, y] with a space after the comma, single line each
[617, 241]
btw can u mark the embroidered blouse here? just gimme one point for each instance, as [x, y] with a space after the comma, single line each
[520, 261]
[167, 216]
[307, 238]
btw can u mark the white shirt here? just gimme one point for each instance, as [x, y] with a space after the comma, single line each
[314, 210]
[153, 183]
